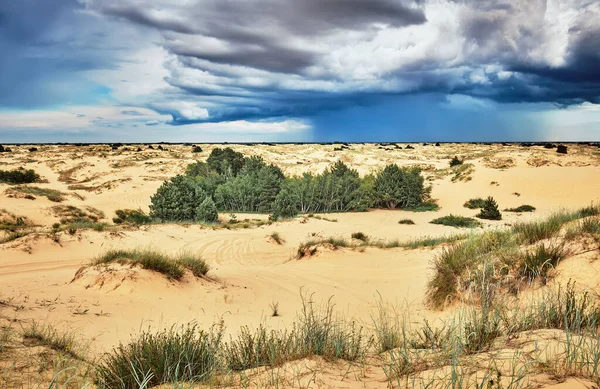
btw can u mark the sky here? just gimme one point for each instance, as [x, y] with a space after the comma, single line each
[299, 70]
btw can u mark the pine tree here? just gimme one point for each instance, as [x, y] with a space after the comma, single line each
[490, 210]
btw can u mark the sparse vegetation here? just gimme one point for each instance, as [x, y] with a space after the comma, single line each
[52, 194]
[61, 341]
[69, 214]
[406, 221]
[456, 221]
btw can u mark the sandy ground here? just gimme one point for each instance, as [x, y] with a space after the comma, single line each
[248, 270]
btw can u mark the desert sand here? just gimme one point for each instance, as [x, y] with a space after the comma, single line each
[249, 271]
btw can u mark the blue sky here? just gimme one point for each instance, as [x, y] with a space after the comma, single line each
[311, 70]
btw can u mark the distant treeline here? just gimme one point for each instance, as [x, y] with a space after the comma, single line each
[230, 182]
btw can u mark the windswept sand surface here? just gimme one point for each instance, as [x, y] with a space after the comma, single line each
[248, 270]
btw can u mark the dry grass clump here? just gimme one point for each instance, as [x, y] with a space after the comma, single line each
[172, 267]
[406, 221]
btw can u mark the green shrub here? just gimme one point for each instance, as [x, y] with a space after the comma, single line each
[490, 210]
[455, 161]
[521, 208]
[475, 203]
[177, 200]
[396, 187]
[207, 211]
[456, 221]
[406, 221]
[131, 216]
[169, 356]
[19, 176]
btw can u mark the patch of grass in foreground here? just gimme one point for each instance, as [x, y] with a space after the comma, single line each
[172, 267]
[456, 221]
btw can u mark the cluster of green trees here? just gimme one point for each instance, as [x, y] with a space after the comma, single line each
[230, 182]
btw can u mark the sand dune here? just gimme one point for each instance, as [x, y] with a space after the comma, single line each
[249, 271]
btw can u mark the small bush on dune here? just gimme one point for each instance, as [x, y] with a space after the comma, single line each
[521, 208]
[490, 210]
[147, 259]
[406, 221]
[456, 221]
[474, 203]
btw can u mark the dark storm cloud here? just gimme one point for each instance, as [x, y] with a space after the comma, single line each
[294, 39]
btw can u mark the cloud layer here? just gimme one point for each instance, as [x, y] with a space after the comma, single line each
[213, 61]
[267, 58]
